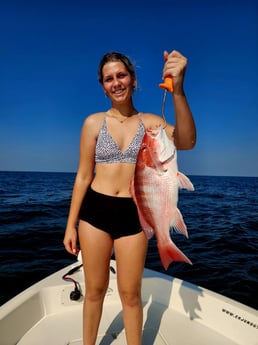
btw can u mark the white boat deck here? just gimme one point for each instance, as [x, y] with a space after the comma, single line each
[173, 328]
[175, 313]
[65, 328]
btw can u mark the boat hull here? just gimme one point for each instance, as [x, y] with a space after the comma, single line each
[175, 312]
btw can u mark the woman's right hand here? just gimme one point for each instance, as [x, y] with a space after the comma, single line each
[175, 67]
[70, 241]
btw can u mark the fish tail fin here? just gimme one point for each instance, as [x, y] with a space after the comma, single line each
[184, 181]
[170, 252]
[178, 223]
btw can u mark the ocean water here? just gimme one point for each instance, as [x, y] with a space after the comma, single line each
[221, 216]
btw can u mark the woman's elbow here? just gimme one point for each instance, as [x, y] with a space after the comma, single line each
[186, 144]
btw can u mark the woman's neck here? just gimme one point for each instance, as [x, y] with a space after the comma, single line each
[123, 110]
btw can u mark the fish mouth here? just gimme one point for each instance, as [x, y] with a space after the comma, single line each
[153, 132]
[169, 159]
[163, 156]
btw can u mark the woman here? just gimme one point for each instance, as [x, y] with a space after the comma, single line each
[101, 199]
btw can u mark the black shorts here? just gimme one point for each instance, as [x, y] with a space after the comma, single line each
[117, 216]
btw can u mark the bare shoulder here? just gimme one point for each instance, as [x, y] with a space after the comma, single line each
[152, 121]
[93, 122]
[94, 119]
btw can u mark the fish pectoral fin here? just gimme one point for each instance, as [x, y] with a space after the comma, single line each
[184, 182]
[178, 223]
[146, 227]
[148, 233]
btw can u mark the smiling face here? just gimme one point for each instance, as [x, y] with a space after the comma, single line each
[117, 82]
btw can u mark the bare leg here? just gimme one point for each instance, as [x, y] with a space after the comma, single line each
[130, 252]
[96, 247]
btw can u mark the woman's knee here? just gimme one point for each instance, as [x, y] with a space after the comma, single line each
[95, 294]
[130, 298]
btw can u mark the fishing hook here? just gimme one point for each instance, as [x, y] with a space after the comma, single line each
[167, 86]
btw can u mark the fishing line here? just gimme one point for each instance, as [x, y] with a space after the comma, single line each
[166, 86]
[163, 109]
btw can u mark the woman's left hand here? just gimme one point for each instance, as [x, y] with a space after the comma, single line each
[175, 67]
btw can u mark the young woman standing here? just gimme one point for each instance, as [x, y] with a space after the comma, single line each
[101, 200]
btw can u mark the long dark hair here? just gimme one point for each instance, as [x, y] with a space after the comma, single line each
[115, 56]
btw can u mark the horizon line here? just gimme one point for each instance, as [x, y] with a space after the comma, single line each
[74, 172]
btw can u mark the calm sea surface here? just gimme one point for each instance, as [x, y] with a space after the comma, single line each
[221, 216]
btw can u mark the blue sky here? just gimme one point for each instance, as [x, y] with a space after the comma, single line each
[50, 50]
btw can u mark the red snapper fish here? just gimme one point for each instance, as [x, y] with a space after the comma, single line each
[154, 189]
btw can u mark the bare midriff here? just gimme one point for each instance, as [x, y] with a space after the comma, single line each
[113, 178]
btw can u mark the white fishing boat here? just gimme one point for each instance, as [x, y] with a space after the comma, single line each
[175, 313]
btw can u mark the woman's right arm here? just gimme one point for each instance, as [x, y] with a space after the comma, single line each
[83, 179]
